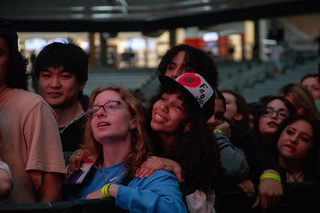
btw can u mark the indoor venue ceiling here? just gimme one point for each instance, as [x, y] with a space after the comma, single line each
[141, 15]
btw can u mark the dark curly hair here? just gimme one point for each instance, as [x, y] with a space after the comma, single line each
[196, 150]
[195, 59]
[17, 74]
[310, 168]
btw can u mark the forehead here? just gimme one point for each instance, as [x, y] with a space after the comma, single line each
[303, 126]
[107, 95]
[174, 95]
[179, 57]
[276, 104]
[56, 69]
[219, 106]
[310, 81]
[229, 96]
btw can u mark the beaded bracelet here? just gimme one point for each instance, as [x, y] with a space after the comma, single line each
[270, 175]
[104, 191]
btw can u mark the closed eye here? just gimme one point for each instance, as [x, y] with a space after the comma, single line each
[305, 139]
[289, 132]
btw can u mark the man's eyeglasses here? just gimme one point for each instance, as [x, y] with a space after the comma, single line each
[282, 113]
[109, 107]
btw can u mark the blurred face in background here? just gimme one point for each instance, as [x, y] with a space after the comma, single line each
[274, 112]
[218, 115]
[231, 108]
[313, 85]
[300, 109]
[177, 66]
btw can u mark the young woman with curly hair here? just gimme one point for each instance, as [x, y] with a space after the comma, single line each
[183, 142]
[115, 138]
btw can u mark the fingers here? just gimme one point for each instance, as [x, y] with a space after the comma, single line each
[263, 202]
[178, 176]
[256, 203]
[266, 201]
[74, 162]
[247, 187]
[149, 167]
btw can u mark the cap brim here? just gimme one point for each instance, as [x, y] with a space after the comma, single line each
[169, 82]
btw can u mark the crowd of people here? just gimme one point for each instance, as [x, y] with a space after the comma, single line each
[191, 144]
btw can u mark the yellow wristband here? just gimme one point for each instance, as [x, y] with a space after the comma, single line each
[217, 130]
[270, 175]
[104, 191]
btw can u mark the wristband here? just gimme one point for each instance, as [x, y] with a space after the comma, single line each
[104, 191]
[217, 131]
[270, 175]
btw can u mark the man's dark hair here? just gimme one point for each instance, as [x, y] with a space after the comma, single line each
[68, 55]
[195, 59]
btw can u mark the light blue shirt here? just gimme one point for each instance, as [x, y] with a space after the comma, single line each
[158, 193]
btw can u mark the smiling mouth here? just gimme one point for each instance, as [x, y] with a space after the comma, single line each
[160, 118]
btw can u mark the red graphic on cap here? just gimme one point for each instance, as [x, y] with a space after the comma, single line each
[189, 80]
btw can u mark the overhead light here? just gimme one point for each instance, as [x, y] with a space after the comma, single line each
[77, 16]
[102, 8]
[102, 16]
[207, 8]
[77, 8]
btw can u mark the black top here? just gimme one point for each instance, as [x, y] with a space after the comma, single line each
[257, 159]
[72, 137]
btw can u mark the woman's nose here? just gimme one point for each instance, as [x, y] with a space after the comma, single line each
[164, 107]
[101, 112]
[212, 122]
[294, 139]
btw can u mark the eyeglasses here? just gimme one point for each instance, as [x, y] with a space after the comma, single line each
[282, 113]
[109, 107]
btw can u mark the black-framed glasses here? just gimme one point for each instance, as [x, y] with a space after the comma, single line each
[282, 113]
[109, 107]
